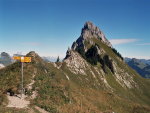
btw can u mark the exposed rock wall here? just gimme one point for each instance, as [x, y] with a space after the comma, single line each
[90, 31]
[76, 63]
[86, 54]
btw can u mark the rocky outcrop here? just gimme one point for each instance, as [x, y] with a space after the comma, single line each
[75, 62]
[86, 53]
[79, 66]
[88, 32]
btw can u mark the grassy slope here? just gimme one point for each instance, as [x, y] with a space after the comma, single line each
[57, 94]
[98, 100]
[10, 78]
[142, 94]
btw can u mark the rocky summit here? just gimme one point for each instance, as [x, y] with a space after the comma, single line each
[92, 78]
[90, 31]
[95, 49]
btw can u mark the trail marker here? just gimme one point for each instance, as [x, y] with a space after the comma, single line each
[22, 60]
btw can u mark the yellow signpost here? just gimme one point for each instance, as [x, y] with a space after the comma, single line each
[16, 58]
[22, 60]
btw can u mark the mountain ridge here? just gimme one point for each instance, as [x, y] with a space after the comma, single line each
[89, 30]
[92, 78]
[141, 66]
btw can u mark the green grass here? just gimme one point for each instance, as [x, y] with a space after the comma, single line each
[56, 94]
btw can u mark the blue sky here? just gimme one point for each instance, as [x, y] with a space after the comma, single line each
[50, 26]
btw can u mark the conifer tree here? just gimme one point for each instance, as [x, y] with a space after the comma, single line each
[58, 59]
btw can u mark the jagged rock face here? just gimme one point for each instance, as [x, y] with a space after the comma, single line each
[123, 78]
[79, 66]
[75, 62]
[90, 31]
[81, 58]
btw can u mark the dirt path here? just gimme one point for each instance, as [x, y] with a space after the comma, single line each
[29, 86]
[17, 101]
[40, 109]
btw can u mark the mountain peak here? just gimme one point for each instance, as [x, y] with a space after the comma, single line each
[88, 33]
[32, 54]
[35, 57]
[89, 25]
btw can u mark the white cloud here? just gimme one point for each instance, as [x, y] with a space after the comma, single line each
[144, 44]
[122, 41]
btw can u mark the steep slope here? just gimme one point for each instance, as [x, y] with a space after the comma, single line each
[93, 78]
[96, 64]
[98, 52]
[88, 32]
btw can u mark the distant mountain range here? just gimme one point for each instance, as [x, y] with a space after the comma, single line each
[5, 59]
[50, 59]
[142, 66]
